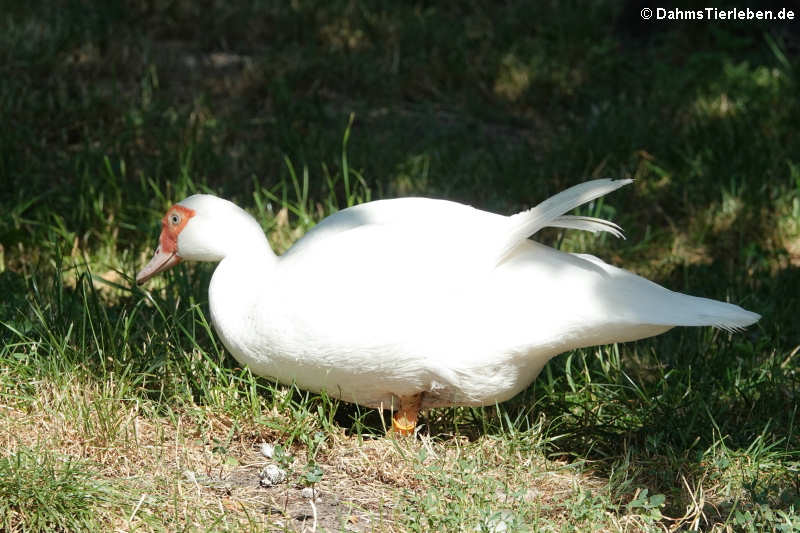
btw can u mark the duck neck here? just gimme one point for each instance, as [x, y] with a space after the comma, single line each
[237, 291]
[244, 271]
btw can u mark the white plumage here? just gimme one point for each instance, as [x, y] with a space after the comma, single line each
[393, 298]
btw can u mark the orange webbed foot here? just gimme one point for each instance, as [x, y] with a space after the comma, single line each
[404, 419]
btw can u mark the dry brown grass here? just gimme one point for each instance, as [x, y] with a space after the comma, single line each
[173, 475]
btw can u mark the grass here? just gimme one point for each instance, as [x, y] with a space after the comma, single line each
[120, 410]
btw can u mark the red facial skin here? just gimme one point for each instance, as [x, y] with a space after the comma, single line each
[166, 255]
[171, 225]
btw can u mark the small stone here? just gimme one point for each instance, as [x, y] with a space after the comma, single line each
[267, 450]
[271, 476]
[500, 522]
[309, 493]
[188, 475]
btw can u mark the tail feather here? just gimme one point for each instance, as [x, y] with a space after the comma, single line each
[632, 299]
[696, 311]
[524, 224]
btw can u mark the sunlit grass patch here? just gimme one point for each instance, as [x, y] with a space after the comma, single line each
[43, 491]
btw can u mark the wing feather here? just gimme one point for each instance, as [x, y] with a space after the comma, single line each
[523, 225]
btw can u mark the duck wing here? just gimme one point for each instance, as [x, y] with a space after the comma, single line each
[414, 249]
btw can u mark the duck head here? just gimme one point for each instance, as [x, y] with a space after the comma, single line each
[201, 227]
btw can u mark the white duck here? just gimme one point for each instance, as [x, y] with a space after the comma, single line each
[415, 303]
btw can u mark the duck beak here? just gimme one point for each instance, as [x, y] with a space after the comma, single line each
[160, 262]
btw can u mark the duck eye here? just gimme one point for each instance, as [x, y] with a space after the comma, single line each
[174, 218]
